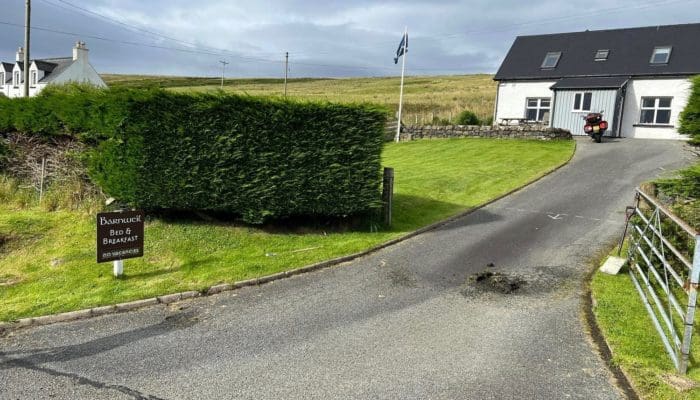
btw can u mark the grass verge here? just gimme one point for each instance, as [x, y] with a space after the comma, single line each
[47, 260]
[635, 345]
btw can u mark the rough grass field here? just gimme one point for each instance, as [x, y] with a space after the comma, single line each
[425, 97]
[47, 259]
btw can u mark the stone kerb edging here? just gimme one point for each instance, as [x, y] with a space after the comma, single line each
[223, 287]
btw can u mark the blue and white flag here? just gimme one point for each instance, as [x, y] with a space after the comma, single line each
[403, 47]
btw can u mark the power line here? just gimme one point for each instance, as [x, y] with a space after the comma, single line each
[194, 48]
[212, 53]
[131, 27]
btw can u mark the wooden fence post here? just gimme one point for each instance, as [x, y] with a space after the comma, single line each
[388, 194]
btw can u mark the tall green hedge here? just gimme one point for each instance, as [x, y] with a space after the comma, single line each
[260, 158]
[690, 117]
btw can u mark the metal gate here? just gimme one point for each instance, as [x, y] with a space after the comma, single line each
[665, 275]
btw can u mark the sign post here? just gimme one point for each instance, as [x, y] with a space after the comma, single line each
[119, 236]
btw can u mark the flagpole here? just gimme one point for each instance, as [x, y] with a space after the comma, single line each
[403, 69]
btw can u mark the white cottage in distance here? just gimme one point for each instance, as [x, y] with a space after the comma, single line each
[48, 71]
[639, 77]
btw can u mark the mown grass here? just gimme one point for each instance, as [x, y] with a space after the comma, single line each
[47, 259]
[635, 344]
[425, 97]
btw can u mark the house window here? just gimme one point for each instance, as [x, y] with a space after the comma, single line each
[656, 110]
[582, 101]
[33, 80]
[537, 108]
[2, 78]
[661, 55]
[16, 80]
[601, 55]
[551, 60]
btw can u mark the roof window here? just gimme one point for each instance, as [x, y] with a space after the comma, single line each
[661, 55]
[602, 55]
[551, 60]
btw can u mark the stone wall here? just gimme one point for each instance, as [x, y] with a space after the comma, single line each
[524, 131]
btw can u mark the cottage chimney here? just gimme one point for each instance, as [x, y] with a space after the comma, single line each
[20, 54]
[80, 51]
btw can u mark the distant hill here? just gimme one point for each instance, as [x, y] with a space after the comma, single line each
[426, 98]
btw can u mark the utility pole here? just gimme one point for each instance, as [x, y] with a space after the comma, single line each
[286, 71]
[27, 19]
[223, 71]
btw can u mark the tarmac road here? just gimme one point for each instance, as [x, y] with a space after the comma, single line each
[407, 322]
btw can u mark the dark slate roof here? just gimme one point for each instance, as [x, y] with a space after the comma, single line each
[45, 66]
[59, 65]
[7, 66]
[630, 53]
[590, 83]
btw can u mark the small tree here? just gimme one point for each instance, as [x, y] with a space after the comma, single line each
[467, 117]
[690, 117]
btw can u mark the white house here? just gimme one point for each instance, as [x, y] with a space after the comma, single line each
[47, 71]
[639, 78]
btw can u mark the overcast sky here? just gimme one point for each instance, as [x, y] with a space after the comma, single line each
[324, 38]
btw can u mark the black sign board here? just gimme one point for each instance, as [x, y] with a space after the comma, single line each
[119, 235]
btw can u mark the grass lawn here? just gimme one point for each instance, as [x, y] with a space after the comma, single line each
[425, 97]
[47, 259]
[635, 344]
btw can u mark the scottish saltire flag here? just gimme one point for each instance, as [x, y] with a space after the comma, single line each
[403, 45]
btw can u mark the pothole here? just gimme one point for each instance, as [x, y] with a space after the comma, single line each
[497, 282]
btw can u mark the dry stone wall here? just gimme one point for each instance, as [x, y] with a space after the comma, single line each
[498, 132]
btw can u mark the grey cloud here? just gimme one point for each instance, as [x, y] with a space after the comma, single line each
[324, 38]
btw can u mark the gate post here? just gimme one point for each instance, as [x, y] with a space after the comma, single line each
[388, 194]
[694, 279]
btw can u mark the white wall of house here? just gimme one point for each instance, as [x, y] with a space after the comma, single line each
[15, 87]
[4, 76]
[513, 95]
[677, 89]
[80, 72]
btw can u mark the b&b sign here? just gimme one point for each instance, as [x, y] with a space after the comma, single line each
[119, 235]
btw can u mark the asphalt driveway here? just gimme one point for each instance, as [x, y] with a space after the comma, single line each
[410, 321]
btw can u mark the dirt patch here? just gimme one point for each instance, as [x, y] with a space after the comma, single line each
[497, 282]
[9, 280]
[680, 383]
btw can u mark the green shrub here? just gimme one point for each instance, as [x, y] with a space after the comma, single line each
[690, 117]
[258, 158]
[467, 117]
[81, 111]
[686, 185]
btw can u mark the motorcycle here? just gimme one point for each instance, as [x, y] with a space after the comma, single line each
[595, 126]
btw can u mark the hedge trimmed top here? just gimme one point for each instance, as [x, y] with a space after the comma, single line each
[259, 158]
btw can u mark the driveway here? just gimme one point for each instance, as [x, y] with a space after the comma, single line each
[412, 321]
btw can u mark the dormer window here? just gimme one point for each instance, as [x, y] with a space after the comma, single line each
[661, 55]
[601, 55]
[551, 60]
[2, 78]
[16, 80]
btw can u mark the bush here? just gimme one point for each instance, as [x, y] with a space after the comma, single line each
[467, 117]
[690, 117]
[81, 111]
[258, 158]
[686, 185]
